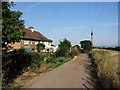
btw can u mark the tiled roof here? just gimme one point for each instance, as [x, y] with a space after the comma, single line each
[34, 35]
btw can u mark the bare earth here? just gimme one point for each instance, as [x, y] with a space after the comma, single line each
[73, 74]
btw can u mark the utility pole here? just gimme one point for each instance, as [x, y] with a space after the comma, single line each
[92, 33]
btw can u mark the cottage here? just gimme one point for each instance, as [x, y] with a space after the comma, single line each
[31, 38]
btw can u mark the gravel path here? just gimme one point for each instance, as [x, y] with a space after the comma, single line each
[73, 74]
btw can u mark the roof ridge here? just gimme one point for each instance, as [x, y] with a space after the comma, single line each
[36, 35]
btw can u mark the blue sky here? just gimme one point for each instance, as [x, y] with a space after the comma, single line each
[72, 20]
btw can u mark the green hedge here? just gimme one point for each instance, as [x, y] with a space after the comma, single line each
[14, 63]
[86, 45]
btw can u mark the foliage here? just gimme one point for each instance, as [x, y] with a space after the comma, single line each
[12, 85]
[15, 63]
[117, 48]
[63, 48]
[37, 59]
[51, 60]
[55, 60]
[40, 46]
[11, 24]
[75, 50]
[112, 48]
[86, 45]
[59, 61]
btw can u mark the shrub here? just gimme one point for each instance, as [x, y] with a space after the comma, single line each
[40, 46]
[86, 45]
[75, 50]
[63, 48]
[117, 48]
[51, 60]
[53, 55]
[36, 59]
[14, 63]
[55, 60]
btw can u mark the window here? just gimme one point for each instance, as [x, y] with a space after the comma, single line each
[48, 50]
[42, 42]
[26, 42]
[36, 42]
[49, 44]
[31, 42]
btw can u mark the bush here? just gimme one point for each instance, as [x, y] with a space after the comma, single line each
[40, 46]
[75, 50]
[14, 63]
[86, 45]
[55, 60]
[53, 55]
[51, 60]
[63, 48]
[36, 59]
[117, 48]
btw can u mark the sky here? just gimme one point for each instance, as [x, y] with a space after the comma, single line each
[72, 20]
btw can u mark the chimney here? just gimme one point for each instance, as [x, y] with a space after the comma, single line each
[31, 28]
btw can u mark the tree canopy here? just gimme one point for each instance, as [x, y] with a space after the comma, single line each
[11, 24]
[64, 47]
[86, 45]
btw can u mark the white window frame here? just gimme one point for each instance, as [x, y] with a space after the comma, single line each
[26, 42]
[41, 42]
[49, 43]
[31, 42]
[36, 42]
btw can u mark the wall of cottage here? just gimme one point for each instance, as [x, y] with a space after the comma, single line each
[16, 45]
[30, 44]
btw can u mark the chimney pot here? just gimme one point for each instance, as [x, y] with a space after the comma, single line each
[31, 28]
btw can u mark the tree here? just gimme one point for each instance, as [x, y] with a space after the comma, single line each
[40, 46]
[11, 24]
[64, 47]
[86, 45]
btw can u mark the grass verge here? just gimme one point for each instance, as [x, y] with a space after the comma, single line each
[51, 67]
[106, 63]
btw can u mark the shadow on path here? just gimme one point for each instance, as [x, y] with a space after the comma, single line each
[91, 75]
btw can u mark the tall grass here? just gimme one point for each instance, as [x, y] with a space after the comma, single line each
[107, 68]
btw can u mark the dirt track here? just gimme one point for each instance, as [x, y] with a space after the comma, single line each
[73, 74]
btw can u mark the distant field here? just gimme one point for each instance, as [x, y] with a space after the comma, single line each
[107, 67]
